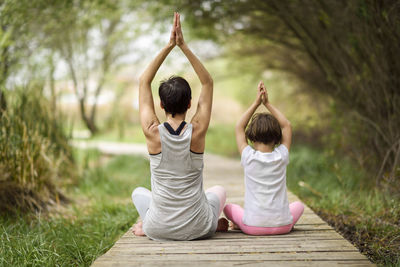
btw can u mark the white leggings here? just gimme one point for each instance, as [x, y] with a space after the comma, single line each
[216, 197]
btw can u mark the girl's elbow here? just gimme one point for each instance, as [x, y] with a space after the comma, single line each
[239, 128]
[287, 125]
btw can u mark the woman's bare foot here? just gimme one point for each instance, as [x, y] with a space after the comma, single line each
[233, 226]
[137, 229]
[222, 225]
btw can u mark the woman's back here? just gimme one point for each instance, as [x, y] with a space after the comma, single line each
[179, 208]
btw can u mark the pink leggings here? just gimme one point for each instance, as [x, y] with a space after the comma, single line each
[235, 213]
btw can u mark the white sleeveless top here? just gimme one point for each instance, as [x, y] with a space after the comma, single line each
[179, 209]
[266, 203]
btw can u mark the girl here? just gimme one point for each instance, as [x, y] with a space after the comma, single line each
[266, 210]
[177, 208]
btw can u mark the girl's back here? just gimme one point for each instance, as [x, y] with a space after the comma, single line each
[266, 203]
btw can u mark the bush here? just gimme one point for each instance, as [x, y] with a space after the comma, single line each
[35, 155]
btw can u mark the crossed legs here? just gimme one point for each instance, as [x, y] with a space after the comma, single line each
[218, 191]
[216, 197]
[235, 213]
[141, 198]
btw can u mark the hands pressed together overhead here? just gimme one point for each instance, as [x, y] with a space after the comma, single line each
[176, 37]
[262, 94]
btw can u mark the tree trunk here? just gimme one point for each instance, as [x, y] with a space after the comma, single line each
[89, 122]
[4, 66]
[3, 103]
[52, 84]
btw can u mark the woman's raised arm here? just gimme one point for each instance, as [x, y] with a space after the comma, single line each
[201, 119]
[148, 118]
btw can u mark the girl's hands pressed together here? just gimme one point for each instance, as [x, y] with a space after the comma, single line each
[264, 97]
[260, 93]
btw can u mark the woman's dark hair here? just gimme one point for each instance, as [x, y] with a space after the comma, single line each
[175, 94]
[264, 128]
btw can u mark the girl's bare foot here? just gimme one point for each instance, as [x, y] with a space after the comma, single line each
[137, 229]
[222, 225]
[233, 226]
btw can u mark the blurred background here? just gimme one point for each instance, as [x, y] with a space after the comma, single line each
[69, 73]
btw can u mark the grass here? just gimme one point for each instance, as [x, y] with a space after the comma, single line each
[131, 134]
[76, 235]
[220, 139]
[35, 158]
[339, 192]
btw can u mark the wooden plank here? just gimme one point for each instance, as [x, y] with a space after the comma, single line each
[328, 233]
[219, 241]
[141, 249]
[277, 256]
[325, 263]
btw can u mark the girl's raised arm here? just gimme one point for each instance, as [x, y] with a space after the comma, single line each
[241, 139]
[148, 118]
[283, 121]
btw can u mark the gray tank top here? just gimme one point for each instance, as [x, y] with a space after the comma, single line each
[179, 209]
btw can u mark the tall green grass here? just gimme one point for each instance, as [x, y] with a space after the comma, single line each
[337, 190]
[100, 212]
[34, 153]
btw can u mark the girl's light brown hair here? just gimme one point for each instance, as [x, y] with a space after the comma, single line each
[264, 128]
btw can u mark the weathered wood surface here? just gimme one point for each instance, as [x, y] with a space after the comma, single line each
[311, 243]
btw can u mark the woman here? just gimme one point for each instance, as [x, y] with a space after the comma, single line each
[177, 208]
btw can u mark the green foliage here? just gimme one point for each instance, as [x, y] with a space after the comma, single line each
[241, 80]
[338, 192]
[220, 139]
[100, 213]
[12, 17]
[34, 152]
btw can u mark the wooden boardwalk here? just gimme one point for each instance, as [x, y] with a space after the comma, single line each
[311, 243]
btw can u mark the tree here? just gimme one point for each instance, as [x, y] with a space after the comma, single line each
[13, 34]
[90, 38]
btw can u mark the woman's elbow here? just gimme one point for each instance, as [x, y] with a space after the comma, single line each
[143, 80]
[209, 82]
